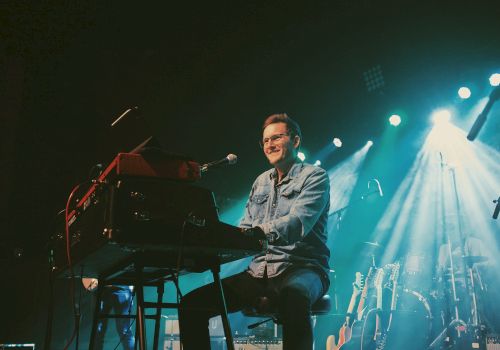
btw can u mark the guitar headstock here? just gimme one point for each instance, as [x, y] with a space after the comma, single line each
[379, 277]
[395, 272]
[357, 285]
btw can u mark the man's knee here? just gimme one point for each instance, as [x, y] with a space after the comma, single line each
[295, 299]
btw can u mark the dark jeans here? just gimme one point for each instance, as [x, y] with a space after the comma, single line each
[293, 292]
[119, 299]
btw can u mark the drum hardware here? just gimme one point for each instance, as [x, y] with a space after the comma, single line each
[371, 250]
[474, 259]
[470, 331]
[469, 262]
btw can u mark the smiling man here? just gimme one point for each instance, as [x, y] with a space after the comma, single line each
[290, 203]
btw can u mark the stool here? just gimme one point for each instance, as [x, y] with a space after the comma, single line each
[265, 308]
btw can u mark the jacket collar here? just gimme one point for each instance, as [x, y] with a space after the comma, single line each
[292, 173]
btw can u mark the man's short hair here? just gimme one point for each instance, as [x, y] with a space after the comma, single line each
[291, 125]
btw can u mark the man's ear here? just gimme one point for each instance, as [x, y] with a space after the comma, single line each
[296, 141]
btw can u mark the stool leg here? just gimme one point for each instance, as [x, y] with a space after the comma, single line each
[140, 326]
[225, 321]
[160, 289]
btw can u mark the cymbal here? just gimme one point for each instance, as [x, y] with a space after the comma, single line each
[473, 259]
[371, 245]
[369, 248]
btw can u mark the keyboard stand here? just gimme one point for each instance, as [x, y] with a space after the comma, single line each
[139, 278]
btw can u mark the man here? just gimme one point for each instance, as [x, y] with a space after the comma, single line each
[290, 204]
[120, 300]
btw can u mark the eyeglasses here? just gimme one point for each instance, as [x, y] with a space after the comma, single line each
[275, 138]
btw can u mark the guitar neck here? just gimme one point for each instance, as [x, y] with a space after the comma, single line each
[364, 293]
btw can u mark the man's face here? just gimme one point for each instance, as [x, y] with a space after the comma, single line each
[279, 150]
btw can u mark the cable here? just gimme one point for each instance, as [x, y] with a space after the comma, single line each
[78, 315]
[70, 265]
[68, 256]
[51, 271]
[50, 314]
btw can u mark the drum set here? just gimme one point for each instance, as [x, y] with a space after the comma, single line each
[414, 303]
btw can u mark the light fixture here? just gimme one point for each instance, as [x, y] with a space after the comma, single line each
[394, 120]
[464, 92]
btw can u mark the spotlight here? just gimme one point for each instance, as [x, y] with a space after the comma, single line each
[495, 79]
[441, 117]
[317, 163]
[395, 120]
[464, 92]
[337, 142]
[369, 143]
[301, 156]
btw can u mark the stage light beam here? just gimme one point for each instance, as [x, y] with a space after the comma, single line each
[337, 142]
[301, 156]
[441, 116]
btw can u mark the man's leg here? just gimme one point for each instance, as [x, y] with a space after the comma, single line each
[198, 306]
[123, 306]
[298, 290]
[105, 307]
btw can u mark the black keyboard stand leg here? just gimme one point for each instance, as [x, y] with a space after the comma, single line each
[140, 326]
[225, 320]
[160, 289]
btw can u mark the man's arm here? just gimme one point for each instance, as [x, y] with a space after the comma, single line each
[247, 220]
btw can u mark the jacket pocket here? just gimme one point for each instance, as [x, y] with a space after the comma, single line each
[259, 206]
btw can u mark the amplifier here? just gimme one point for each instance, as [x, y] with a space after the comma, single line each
[493, 342]
[255, 344]
[219, 344]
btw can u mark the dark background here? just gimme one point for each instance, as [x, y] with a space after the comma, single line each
[205, 75]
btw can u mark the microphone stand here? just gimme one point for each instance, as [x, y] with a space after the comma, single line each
[473, 327]
[340, 212]
[456, 323]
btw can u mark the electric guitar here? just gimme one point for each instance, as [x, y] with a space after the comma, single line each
[394, 279]
[361, 306]
[345, 331]
[379, 336]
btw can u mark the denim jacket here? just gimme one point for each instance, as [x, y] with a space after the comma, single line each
[293, 213]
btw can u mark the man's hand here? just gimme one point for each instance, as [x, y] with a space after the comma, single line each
[90, 284]
[258, 233]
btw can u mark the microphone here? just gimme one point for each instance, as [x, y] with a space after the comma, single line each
[497, 208]
[379, 188]
[127, 111]
[481, 118]
[229, 159]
